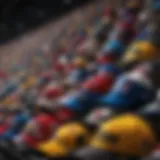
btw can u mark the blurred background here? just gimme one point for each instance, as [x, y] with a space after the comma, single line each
[17, 17]
[31, 26]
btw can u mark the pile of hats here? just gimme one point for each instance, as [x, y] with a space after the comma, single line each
[96, 96]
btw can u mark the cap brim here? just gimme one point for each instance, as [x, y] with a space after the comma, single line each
[52, 148]
[114, 100]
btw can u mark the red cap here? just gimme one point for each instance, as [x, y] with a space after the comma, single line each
[53, 92]
[3, 75]
[100, 83]
[59, 67]
[109, 12]
[105, 59]
[125, 25]
[44, 126]
[64, 115]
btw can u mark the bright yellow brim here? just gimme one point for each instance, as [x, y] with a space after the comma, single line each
[52, 148]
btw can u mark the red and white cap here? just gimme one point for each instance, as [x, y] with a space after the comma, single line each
[98, 115]
[50, 96]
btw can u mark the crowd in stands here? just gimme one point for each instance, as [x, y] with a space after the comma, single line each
[94, 94]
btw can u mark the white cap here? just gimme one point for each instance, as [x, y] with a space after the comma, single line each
[98, 115]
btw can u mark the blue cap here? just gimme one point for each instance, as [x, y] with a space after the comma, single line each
[110, 68]
[83, 101]
[72, 103]
[156, 5]
[126, 94]
[114, 47]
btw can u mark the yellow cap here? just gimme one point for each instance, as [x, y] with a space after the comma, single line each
[80, 62]
[140, 51]
[67, 138]
[52, 148]
[29, 82]
[127, 134]
[21, 74]
[73, 135]
[132, 3]
[7, 101]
